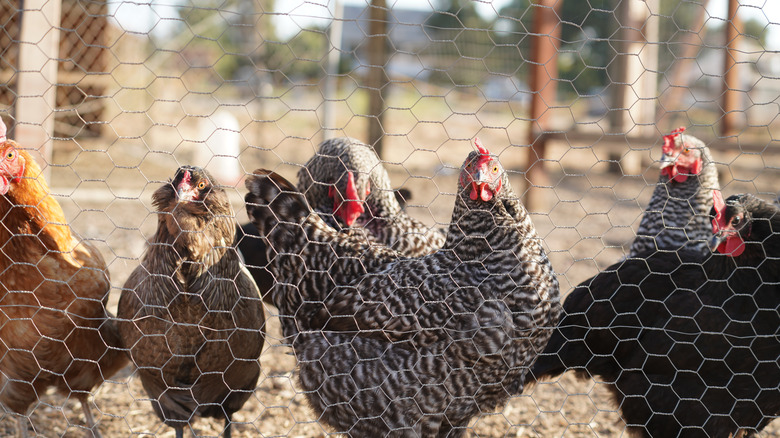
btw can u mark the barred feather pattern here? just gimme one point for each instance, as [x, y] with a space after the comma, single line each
[384, 218]
[677, 215]
[411, 346]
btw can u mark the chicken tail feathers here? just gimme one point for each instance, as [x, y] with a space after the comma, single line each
[272, 199]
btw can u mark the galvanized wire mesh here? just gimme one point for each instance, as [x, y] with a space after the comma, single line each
[144, 88]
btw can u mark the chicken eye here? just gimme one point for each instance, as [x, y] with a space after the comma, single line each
[201, 185]
[736, 221]
[686, 150]
[10, 155]
[495, 169]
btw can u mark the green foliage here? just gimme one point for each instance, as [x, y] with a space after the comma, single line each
[225, 34]
[303, 56]
[467, 47]
[755, 29]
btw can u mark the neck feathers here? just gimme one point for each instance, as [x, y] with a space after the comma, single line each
[29, 209]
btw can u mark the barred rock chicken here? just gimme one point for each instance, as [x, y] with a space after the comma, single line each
[54, 326]
[397, 346]
[346, 181]
[687, 344]
[677, 215]
[190, 314]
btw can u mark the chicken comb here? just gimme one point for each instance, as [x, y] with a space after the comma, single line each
[719, 204]
[669, 139]
[3, 131]
[187, 177]
[481, 149]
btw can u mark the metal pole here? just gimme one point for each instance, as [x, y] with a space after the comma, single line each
[331, 81]
[544, 70]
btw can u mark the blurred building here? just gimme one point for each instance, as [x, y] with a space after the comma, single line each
[84, 58]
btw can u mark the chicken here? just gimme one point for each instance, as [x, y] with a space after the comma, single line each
[190, 314]
[253, 255]
[54, 326]
[677, 214]
[687, 344]
[410, 346]
[346, 183]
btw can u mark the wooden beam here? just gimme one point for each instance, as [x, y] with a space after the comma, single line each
[545, 41]
[377, 79]
[37, 84]
[731, 94]
[331, 87]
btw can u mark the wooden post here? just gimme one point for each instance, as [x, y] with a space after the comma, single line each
[37, 87]
[691, 45]
[635, 86]
[331, 81]
[544, 70]
[377, 79]
[731, 94]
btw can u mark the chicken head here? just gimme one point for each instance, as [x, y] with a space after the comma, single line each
[482, 172]
[12, 164]
[727, 226]
[680, 158]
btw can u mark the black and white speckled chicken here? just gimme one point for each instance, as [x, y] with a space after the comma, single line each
[688, 344]
[397, 346]
[190, 315]
[347, 182]
[347, 185]
[678, 212]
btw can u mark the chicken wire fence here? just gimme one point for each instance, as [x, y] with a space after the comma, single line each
[574, 98]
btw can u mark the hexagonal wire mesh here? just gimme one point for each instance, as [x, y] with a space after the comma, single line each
[142, 89]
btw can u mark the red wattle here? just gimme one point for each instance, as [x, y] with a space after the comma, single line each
[733, 246]
[481, 191]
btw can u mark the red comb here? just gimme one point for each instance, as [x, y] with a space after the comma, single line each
[719, 222]
[351, 207]
[3, 131]
[482, 150]
[669, 139]
[352, 193]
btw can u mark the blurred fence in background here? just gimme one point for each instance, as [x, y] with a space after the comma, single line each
[574, 95]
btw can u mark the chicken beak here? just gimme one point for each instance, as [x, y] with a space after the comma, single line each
[186, 193]
[716, 240]
[667, 160]
[479, 187]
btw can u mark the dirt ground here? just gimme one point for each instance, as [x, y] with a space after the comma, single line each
[589, 218]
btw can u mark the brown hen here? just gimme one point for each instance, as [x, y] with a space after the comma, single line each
[190, 314]
[54, 326]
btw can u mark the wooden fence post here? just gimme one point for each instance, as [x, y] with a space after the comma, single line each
[37, 86]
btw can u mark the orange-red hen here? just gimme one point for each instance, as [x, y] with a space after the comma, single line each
[55, 330]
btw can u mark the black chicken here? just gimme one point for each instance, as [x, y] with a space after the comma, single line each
[678, 212]
[687, 344]
[190, 314]
[396, 346]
